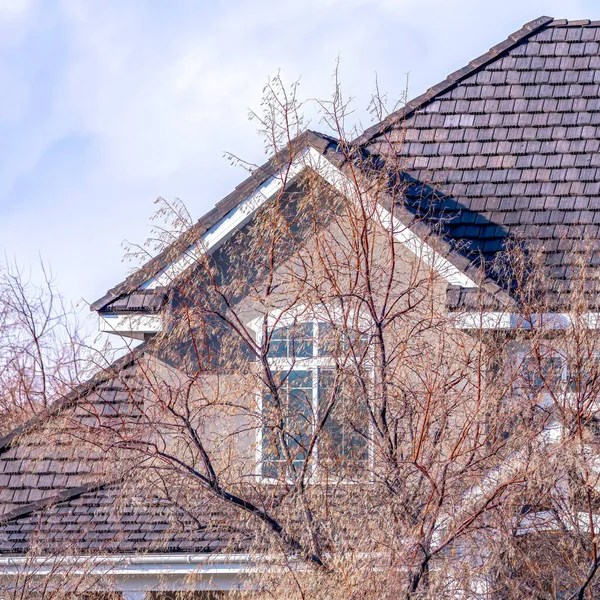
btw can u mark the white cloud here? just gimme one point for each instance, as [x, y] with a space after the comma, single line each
[14, 10]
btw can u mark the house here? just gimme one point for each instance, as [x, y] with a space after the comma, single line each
[506, 148]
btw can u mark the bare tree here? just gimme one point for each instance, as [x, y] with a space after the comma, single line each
[40, 345]
[312, 395]
[311, 384]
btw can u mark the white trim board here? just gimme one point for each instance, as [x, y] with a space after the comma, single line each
[230, 223]
[239, 216]
[507, 320]
[136, 574]
[408, 238]
[130, 325]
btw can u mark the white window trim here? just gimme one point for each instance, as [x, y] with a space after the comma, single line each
[315, 364]
[552, 432]
[299, 313]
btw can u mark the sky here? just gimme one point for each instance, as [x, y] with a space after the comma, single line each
[107, 105]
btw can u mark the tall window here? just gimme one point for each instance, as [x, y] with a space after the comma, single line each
[549, 377]
[553, 374]
[540, 378]
[313, 366]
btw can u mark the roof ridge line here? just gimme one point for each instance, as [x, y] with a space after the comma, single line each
[574, 23]
[62, 496]
[451, 80]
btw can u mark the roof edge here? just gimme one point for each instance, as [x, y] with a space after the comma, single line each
[308, 138]
[62, 496]
[65, 401]
[453, 79]
[576, 23]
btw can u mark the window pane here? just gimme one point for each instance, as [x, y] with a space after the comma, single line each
[326, 339]
[544, 373]
[294, 422]
[278, 348]
[292, 342]
[299, 413]
[334, 341]
[301, 341]
[583, 375]
[343, 447]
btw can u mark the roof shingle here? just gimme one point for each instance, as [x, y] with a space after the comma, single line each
[509, 149]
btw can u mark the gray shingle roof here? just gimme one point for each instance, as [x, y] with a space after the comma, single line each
[506, 147]
[151, 301]
[38, 463]
[97, 521]
[510, 147]
[59, 493]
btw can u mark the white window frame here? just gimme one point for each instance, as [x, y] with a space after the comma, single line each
[315, 364]
[525, 354]
[553, 431]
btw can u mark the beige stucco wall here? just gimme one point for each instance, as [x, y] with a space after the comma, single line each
[226, 402]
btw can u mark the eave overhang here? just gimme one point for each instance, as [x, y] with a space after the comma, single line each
[435, 253]
[500, 320]
[137, 574]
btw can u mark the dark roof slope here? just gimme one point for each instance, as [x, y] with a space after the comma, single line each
[390, 122]
[509, 146]
[41, 462]
[506, 147]
[99, 521]
[151, 301]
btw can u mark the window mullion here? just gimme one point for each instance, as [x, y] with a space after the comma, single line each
[316, 361]
[316, 371]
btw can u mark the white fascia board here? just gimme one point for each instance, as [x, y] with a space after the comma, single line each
[142, 573]
[427, 254]
[507, 320]
[134, 585]
[132, 563]
[408, 238]
[230, 223]
[130, 325]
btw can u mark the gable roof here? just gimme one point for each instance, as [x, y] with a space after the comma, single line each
[328, 160]
[121, 298]
[504, 148]
[451, 80]
[508, 147]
